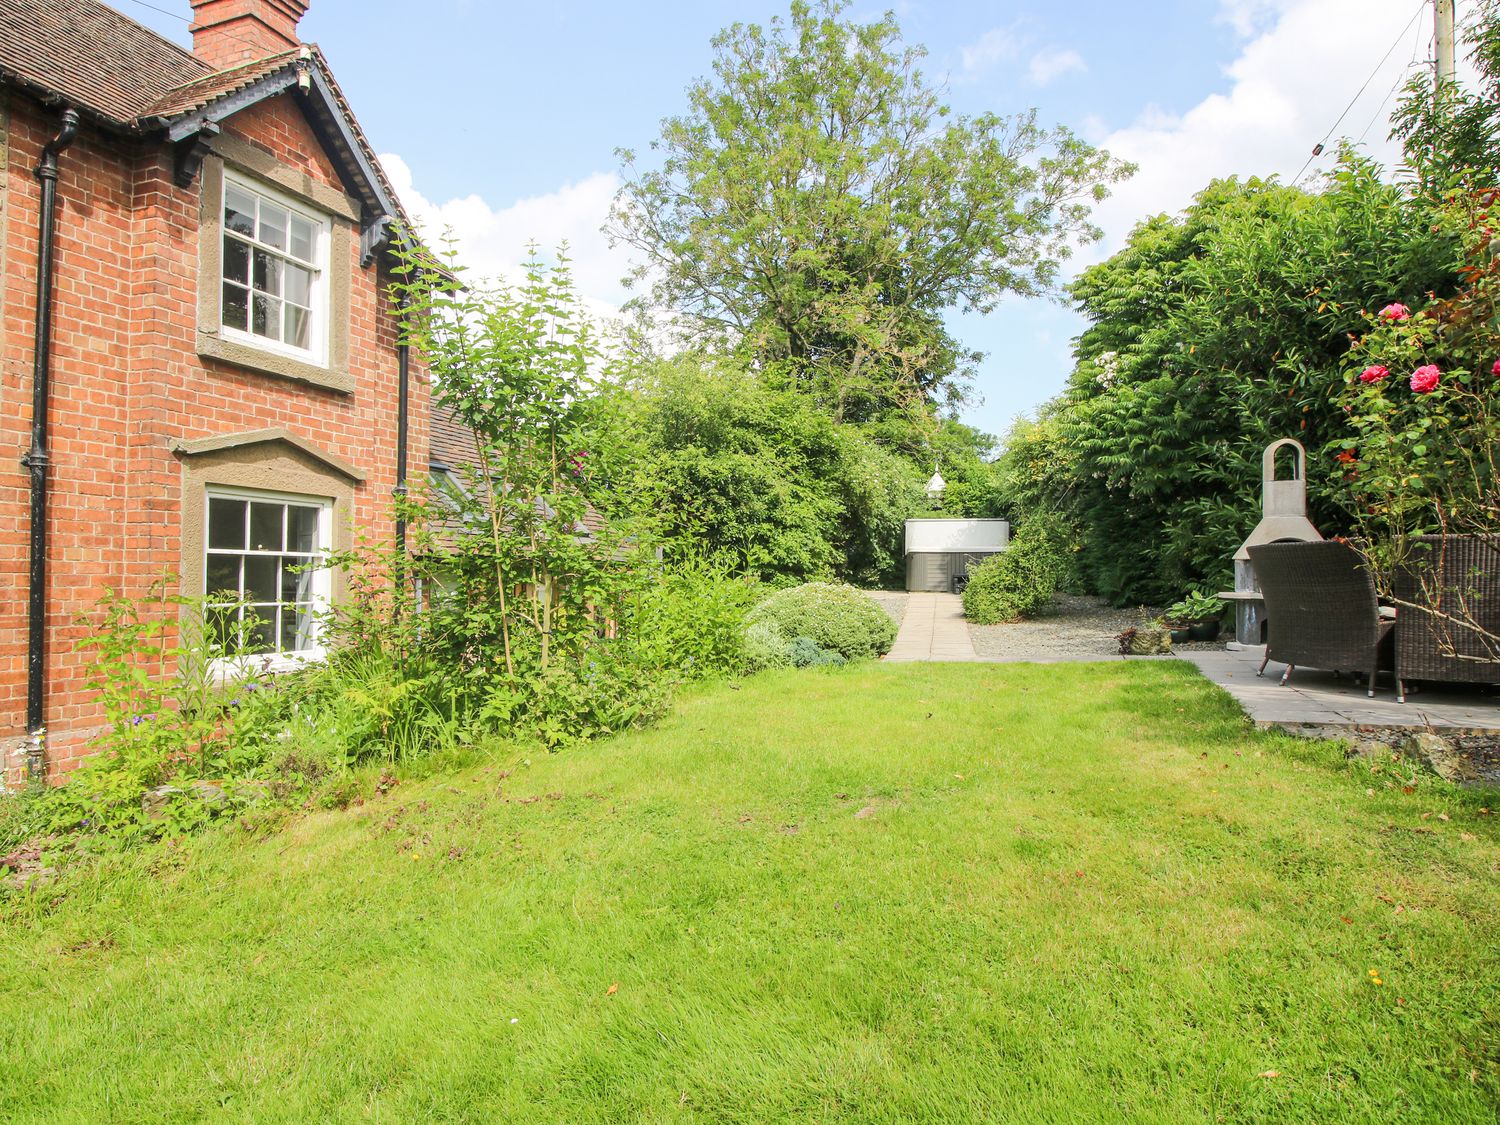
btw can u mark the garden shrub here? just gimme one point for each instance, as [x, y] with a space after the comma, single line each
[806, 653]
[835, 618]
[1022, 579]
[765, 647]
[690, 618]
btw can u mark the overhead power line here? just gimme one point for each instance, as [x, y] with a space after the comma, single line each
[1400, 38]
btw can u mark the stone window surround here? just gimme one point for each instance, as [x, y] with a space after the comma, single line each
[269, 461]
[343, 213]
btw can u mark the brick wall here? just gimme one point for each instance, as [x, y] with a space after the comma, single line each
[127, 381]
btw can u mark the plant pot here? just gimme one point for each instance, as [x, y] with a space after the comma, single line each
[1181, 634]
[1203, 630]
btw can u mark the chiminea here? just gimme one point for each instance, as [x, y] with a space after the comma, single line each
[1283, 520]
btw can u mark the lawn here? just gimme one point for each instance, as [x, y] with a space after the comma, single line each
[937, 893]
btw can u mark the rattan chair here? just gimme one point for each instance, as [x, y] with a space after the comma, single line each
[1448, 592]
[1321, 609]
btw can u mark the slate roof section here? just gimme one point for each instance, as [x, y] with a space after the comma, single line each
[452, 441]
[453, 446]
[131, 79]
[101, 61]
[209, 88]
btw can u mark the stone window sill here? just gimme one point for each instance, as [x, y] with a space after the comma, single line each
[271, 363]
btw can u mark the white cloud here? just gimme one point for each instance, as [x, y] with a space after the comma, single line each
[1248, 17]
[492, 240]
[1007, 45]
[1286, 88]
[998, 45]
[1053, 62]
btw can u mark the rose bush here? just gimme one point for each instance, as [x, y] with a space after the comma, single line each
[1420, 456]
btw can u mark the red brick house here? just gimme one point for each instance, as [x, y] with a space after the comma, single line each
[209, 382]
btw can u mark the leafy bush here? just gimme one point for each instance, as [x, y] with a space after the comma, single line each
[765, 647]
[1022, 579]
[691, 618]
[806, 653]
[835, 618]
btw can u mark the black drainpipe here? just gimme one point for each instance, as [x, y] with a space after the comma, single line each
[403, 394]
[36, 458]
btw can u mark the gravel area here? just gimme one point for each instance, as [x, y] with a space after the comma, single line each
[892, 601]
[1072, 627]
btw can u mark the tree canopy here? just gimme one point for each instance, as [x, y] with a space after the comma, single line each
[821, 208]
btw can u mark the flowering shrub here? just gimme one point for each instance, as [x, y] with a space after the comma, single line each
[1425, 379]
[1421, 455]
[834, 618]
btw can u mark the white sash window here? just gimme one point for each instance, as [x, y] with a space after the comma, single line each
[275, 266]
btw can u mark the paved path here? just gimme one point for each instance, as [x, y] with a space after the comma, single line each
[933, 629]
[1314, 698]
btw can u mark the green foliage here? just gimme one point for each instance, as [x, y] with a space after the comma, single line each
[690, 618]
[807, 653]
[757, 479]
[1451, 134]
[164, 716]
[1021, 580]
[819, 206]
[1213, 334]
[766, 647]
[1197, 606]
[835, 618]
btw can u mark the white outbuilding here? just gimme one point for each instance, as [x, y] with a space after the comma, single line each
[939, 551]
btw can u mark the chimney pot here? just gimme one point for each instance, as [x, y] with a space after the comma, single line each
[229, 32]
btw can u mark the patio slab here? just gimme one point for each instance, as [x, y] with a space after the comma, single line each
[933, 628]
[1315, 698]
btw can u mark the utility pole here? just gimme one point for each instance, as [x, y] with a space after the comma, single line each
[1442, 20]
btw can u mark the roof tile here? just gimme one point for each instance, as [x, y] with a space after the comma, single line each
[101, 61]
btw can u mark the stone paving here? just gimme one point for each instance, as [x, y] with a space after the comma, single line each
[1315, 702]
[1315, 698]
[933, 628]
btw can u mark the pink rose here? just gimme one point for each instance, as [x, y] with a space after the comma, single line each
[1424, 380]
[1373, 374]
[1496, 369]
[1395, 312]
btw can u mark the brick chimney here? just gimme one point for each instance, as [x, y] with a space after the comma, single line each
[229, 32]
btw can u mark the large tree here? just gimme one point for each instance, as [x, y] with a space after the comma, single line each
[821, 207]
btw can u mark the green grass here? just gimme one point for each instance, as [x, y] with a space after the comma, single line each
[1085, 893]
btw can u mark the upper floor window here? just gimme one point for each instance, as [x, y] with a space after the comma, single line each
[275, 265]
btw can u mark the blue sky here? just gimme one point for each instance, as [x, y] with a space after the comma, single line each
[501, 120]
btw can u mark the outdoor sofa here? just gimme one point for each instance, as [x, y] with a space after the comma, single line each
[1448, 611]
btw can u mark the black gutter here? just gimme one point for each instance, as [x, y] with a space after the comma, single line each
[36, 459]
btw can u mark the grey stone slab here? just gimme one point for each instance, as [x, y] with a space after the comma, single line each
[1316, 698]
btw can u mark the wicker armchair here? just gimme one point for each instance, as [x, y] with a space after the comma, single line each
[1448, 628]
[1321, 609]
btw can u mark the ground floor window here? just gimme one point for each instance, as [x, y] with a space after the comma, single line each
[265, 571]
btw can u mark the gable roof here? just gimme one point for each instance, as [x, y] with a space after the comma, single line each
[130, 79]
[102, 62]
